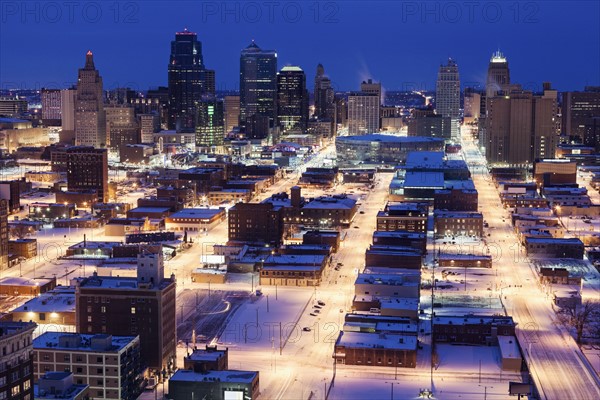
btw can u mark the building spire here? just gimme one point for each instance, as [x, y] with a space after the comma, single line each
[89, 60]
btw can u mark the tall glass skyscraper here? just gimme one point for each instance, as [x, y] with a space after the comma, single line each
[186, 67]
[292, 100]
[258, 88]
[210, 123]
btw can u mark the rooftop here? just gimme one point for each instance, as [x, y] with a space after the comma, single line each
[202, 213]
[378, 137]
[232, 376]
[81, 342]
[62, 300]
[377, 340]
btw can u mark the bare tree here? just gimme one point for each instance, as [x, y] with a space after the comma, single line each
[578, 317]
[20, 231]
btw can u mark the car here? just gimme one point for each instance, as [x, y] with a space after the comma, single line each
[361, 212]
[317, 306]
[337, 268]
[321, 303]
[317, 311]
[356, 227]
[313, 314]
[306, 329]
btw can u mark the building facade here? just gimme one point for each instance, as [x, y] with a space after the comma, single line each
[90, 119]
[292, 100]
[16, 363]
[87, 169]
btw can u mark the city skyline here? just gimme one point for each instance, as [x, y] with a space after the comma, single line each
[357, 56]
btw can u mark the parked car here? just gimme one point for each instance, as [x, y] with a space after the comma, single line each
[321, 303]
[306, 329]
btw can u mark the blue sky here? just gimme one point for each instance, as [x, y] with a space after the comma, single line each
[400, 43]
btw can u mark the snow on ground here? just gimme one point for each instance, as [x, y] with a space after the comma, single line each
[256, 325]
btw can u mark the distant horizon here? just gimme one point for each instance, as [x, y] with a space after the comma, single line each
[402, 48]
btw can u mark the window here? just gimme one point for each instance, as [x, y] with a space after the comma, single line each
[46, 357]
[99, 359]
[89, 318]
[100, 382]
[103, 309]
[133, 310]
[79, 358]
[2, 380]
[15, 390]
[99, 370]
[42, 316]
[79, 370]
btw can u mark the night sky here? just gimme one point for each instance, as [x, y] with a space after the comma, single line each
[398, 43]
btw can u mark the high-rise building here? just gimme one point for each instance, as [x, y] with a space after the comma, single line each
[371, 87]
[11, 191]
[121, 125]
[258, 87]
[161, 94]
[341, 111]
[447, 94]
[447, 90]
[87, 169]
[149, 124]
[209, 123]
[16, 374]
[581, 116]
[232, 112]
[3, 234]
[51, 106]
[185, 80]
[498, 75]
[292, 100]
[143, 306]
[67, 109]
[363, 113]
[324, 96]
[472, 106]
[209, 85]
[90, 122]
[520, 127]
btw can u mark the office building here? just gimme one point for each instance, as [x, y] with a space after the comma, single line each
[231, 106]
[149, 124]
[87, 169]
[256, 223]
[363, 113]
[447, 95]
[143, 306]
[110, 365]
[520, 127]
[90, 122]
[371, 87]
[581, 116]
[258, 90]
[426, 123]
[51, 106]
[185, 80]
[121, 125]
[472, 105]
[16, 363]
[324, 97]
[209, 85]
[498, 75]
[292, 100]
[12, 107]
[209, 123]
[67, 114]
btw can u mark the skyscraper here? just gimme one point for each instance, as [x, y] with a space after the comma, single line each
[209, 123]
[520, 126]
[186, 67]
[447, 94]
[292, 99]
[258, 87]
[581, 115]
[371, 87]
[498, 75]
[232, 112]
[363, 113]
[324, 97]
[90, 122]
